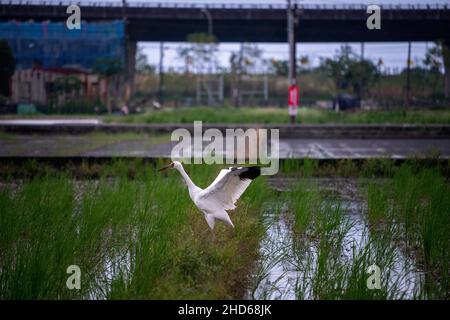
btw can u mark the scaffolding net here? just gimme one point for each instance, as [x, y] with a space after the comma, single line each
[52, 44]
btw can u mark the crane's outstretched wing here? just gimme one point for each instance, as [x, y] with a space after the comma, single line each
[229, 185]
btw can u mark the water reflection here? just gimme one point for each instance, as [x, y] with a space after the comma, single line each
[288, 266]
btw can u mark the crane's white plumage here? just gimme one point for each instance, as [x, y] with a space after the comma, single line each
[222, 194]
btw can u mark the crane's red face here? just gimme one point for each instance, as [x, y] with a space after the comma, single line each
[170, 166]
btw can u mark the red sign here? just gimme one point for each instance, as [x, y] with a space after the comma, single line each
[293, 96]
[293, 100]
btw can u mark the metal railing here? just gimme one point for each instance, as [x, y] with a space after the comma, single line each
[230, 5]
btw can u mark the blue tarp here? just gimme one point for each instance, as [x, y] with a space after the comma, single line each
[52, 44]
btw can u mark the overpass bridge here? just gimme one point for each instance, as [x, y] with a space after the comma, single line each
[169, 21]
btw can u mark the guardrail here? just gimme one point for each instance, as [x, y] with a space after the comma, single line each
[230, 5]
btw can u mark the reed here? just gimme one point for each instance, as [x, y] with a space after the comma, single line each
[416, 201]
[133, 232]
[335, 251]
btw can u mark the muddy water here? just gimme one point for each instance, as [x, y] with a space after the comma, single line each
[283, 273]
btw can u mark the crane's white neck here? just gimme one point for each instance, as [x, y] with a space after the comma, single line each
[190, 184]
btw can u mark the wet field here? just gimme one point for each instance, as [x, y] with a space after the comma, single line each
[288, 266]
[296, 237]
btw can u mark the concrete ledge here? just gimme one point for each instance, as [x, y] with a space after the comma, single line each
[322, 131]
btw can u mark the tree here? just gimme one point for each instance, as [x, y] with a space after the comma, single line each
[142, 65]
[361, 75]
[149, 69]
[433, 63]
[446, 62]
[7, 67]
[201, 54]
[304, 62]
[247, 60]
[66, 86]
[280, 67]
[108, 68]
[185, 53]
[349, 72]
[201, 51]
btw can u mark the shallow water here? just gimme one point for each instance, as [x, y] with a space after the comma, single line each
[276, 275]
[286, 273]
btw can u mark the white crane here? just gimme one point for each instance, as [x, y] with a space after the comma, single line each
[222, 194]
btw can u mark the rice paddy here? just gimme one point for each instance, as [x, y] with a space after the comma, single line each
[135, 234]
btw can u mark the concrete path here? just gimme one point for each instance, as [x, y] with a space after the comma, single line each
[49, 122]
[148, 146]
[307, 148]
[362, 148]
[286, 131]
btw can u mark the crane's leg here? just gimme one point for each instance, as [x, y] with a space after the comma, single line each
[224, 217]
[228, 220]
[210, 220]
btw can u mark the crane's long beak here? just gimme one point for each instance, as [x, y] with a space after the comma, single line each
[170, 166]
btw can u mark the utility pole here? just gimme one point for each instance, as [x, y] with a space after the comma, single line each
[161, 73]
[130, 56]
[209, 17]
[239, 76]
[362, 51]
[408, 71]
[293, 88]
[266, 90]
[446, 58]
[210, 33]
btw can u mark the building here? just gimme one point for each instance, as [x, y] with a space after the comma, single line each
[46, 51]
[37, 85]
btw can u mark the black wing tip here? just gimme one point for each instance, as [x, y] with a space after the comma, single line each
[250, 173]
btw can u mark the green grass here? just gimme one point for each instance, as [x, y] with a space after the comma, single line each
[331, 267]
[135, 233]
[133, 238]
[272, 115]
[304, 201]
[367, 168]
[280, 116]
[418, 203]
